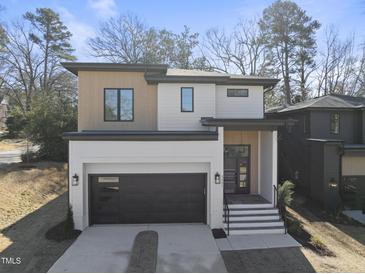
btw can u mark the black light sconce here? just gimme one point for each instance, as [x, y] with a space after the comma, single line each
[332, 183]
[217, 178]
[75, 180]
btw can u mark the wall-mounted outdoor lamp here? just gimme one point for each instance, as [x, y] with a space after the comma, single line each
[217, 178]
[75, 180]
[332, 183]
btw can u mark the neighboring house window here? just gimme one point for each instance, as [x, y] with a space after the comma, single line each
[305, 124]
[118, 104]
[235, 92]
[187, 99]
[335, 123]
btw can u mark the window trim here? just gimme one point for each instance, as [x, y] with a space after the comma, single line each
[339, 119]
[118, 104]
[181, 99]
[228, 89]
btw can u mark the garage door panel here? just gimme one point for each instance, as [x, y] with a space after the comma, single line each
[150, 198]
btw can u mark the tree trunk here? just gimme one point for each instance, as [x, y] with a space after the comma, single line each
[286, 76]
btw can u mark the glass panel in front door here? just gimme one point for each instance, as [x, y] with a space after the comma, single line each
[243, 185]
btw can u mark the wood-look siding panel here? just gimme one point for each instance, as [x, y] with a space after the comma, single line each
[353, 166]
[233, 137]
[91, 100]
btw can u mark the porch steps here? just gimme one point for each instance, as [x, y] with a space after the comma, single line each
[248, 219]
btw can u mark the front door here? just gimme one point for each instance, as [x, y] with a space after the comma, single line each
[236, 169]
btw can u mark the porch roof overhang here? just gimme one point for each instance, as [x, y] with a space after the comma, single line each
[117, 135]
[246, 124]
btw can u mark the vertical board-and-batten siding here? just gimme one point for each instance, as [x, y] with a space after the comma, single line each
[169, 114]
[251, 107]
[91, 100]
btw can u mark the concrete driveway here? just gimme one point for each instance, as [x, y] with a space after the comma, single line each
[106, 248]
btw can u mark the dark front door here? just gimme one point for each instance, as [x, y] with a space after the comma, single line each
[236, 169]
[148, 198]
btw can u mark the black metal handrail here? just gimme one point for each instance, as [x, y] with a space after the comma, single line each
[281, 210]
[226, 212]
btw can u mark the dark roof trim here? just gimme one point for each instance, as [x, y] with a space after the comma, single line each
[325, 140]
[354, 147]
[109, 135]
[75, 67]
[218, 80]
[253, 124]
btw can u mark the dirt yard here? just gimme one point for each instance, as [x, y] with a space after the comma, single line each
[12, 144]
[347, 242]
[32, 201]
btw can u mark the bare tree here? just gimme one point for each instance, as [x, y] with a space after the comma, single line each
[341, 67]
[21, 66]
[126, 39]
[241, 51]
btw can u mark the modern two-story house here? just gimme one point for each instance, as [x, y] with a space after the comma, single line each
[324, 153]
[160, 145]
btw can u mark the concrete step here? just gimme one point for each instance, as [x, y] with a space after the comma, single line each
[266, 217]
[255, 231]
[249, 206]
[254, 224]
[264, 211]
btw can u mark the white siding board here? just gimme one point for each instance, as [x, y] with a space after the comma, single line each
[169, 114]
[251, 107]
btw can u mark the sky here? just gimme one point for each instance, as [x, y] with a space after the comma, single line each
[83, 17]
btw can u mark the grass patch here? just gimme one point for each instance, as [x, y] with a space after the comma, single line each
[313, 242]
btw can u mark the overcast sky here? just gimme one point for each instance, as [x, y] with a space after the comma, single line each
[83, 16]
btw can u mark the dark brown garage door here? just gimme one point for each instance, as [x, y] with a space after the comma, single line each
[148, 198]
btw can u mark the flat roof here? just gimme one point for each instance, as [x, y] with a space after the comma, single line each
[75, 67]
[119, 135]
[160, 73]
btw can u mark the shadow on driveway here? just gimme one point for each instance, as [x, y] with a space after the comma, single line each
[27, 240]
[290, 259]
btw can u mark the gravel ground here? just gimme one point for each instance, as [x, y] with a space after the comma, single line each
[275, 260]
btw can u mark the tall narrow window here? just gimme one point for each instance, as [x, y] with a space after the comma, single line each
[187, 99]
[111, 105]
[118, 104]
[126, 104]
[335, 123]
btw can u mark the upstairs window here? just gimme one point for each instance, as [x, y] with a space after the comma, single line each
[118, 104]
[237, 92]
[187, 99]
[335, 123]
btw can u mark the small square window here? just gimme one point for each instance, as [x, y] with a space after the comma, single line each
[235, 92]
[187, 99]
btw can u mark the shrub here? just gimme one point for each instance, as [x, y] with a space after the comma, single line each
[16, 122]
[285, 195]
[294, 226]
[50, 116]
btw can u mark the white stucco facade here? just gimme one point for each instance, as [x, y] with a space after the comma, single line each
[95, 157]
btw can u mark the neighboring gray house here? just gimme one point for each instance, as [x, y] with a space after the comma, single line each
[324, 153]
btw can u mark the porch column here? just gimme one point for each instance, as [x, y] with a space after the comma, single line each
[268, 164]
